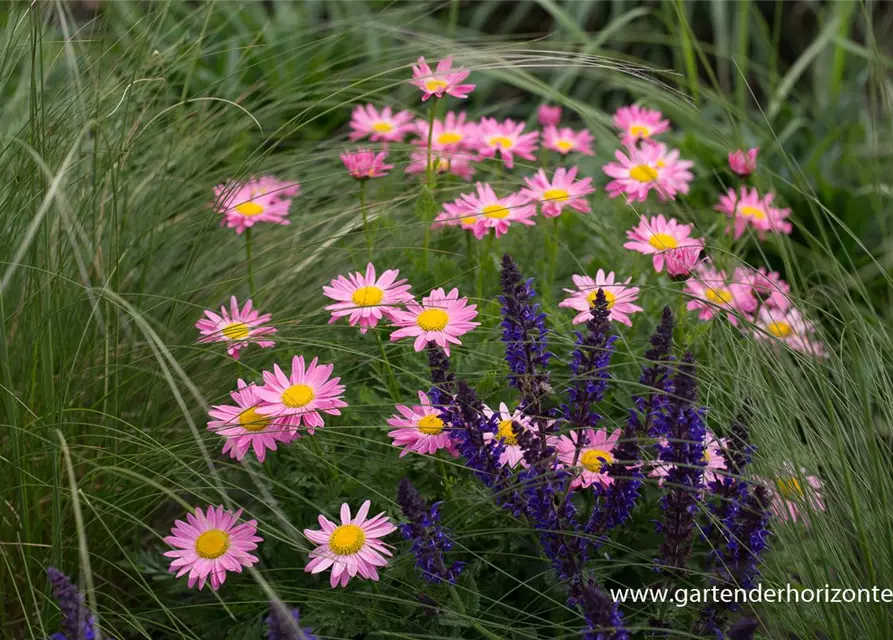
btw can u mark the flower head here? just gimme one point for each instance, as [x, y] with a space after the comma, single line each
[303, 395]
[648, 167]
[366, 299]
[712, 461]
[210, 543]
[620, 297]
[794, 494]
[787, 326]
[384, 126]
[682, 262]
[364, 164]
[636, 123]
[752, 209]
[594, 455]
[743, 164]
[548, 115]
[444, 81]
[443, 161]
[657, 235]
[565, 140]
[484, 211]
[351, 548]
[429, 539]
[451, 133]
[236, 327]
[441, 318]
[77, 621]
[768, 286]
[264, 199]
[420, 429]
[510, 423]
[507, 138]
[713, 292]
[563, 190]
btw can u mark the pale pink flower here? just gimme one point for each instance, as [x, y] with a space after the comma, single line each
[594, 458]
[209, 544]
[565, 140]
[420, 429]
[682, 262]
[484, 211]
[742, 164]
[512, 454]
[441, 319]
[713, 460]
[648, 167]
[787, 326]
[713, 292]
[751, 209]
[563, 190]
[444, 81]
[506, 138]
[364, 298]
[363, 164]
[351, 548]
[236, 327]
[244, 204]
[385, 126]
[303, 395]
[451, 133]
[794, 494]
[656, 235]
[619, 296]
[443, 161]
[548, 115]
[768, 287]
[244, 428]
[636, 123]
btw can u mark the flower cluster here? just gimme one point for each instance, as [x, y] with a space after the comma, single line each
[429, 540]
[77, 621]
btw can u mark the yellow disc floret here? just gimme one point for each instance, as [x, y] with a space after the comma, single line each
[347, 540]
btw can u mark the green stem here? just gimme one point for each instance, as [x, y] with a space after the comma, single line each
[429, 165]
[474, 623]
[366, 228]
[484, 263]
[553, 251]
[250, 266]
[454, 18]
[392, 379]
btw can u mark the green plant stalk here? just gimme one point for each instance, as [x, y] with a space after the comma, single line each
[393, 387]
[430, 179]
[250, 266]
[367, 230]
[474, 623]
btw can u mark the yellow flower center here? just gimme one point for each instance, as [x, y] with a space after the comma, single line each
[431, 425]
[752, 212]
[610, 297]
[501, 141]
[719, 296]
[347, 540]
[251, 420]
[495, 211]
[433, 319]
[507, 433]
[639, 131]
[235, 331]
[592, 459]
[367, 296]
[662, 241]
[382, 127]
[213, 543]
[469, 220]
[564, 145]
[297, 396]
[780, 329]
[435, 84]
[706, 457]
[555, 195]
[249, 209]
[450, 137]
[789, 488]
[643, 173]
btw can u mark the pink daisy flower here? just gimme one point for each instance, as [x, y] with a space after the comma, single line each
[485, 211]
[444, 81]
[751, 209]
[301, 396]
[236, 327]
[351, 548]
[648, 167]
[656, 235]
[209, 544]
[712, 292]
[385, 126]
[513, 454]
[548, 115]
[506, 138]
[244, 204]
[244, 428]
[636, 123]
[420, 429]
[444, 161]
[743, 164]
[795, 494]
[364, 164]
[366, 299]
[451, 133]
[682, 262]
[713, 460]
[441, 319]
[594, 458]
[769, 287]
[619, 296]
[787, 326]
[563, 190]
[565, 140]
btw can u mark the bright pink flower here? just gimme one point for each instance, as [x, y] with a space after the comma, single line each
[655, 236]
[244, 204]
[485, 211]
[237, 327]
[713, 460]
[682, 262]
[441, 319]
[506, 138]
[386, 126]
[565, 140]
[594, 457]
[443, 160]
[301, 396]
[444, 81]
[209, 544]
[451, 133]
[548, 115]
[795, 494]
[648, 167]
[742, 164]
[787, 326]
[364, 164]
[713, 292]
[563, 190]
[365, 299]
[243, 427]
[420, 429]
[513, 454]
[751, 209]
[768, 287]
[636, 123]
[351, 548]
[619, 296]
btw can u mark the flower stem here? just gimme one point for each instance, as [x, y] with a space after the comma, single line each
[484, 264]
[392, 379]
[250, 266]
[429, 165]
[366, 229]
[475, 624]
